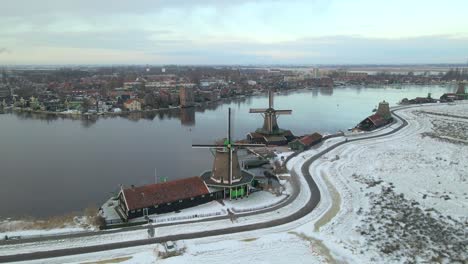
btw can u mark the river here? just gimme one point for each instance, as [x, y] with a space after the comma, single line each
[54, 166]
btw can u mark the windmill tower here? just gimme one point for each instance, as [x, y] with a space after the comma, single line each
[384, 110]
[461, 88]
[270, 116]
[227, 173]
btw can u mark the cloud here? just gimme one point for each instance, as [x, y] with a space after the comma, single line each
[4, 50]
[310, 51]
[28, 8]
[231, 32]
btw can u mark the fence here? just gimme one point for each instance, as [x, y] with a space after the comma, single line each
[188, 217]
[114, 222]
[244, 210]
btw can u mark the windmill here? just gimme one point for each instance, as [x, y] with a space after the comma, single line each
[226, 170]
[270, 115]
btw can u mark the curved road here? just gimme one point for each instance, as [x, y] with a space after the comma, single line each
[311, 204]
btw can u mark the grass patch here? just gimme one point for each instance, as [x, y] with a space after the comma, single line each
[317, 245]
[90, 218]
[115, 260]
[249, 239]
[335, 208]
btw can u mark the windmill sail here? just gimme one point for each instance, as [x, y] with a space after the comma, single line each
[270, 115]
[226, 169]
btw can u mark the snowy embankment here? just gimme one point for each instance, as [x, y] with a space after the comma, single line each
[395, 198]
[15, 229]
[262, 199]
[403, 197]
[392, 199]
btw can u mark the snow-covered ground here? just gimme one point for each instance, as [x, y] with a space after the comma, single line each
[38, 228]
[401, 198]
[41, 232]
[398, 198]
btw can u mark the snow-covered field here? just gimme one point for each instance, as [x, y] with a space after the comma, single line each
[403, 197]
[393, 199]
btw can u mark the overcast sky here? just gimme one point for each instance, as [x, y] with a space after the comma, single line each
[233, 32]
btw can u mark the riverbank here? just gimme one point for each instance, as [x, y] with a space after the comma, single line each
[385, 214]
[14, 229]
[326, 247]
[99, 155]
[409, 203]
[208, 104]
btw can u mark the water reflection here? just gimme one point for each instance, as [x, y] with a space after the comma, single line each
[78, 160]
[328, 91]
[187, 116]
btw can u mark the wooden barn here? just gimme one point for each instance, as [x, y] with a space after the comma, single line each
[163, 197]
[382, 117]
[305, 142]
[372, 122]
[274, 139]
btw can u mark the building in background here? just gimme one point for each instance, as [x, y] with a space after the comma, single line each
[187, 98]
[132, 105]
[382, 117]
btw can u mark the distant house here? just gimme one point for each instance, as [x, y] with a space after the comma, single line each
[448, 97]
[382, 117]
[255, 138]
[162, 198]
[372, 122]
[276, 140]
[132, 105]
[305, 142]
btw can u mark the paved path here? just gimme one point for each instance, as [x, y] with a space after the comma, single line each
[310, 205]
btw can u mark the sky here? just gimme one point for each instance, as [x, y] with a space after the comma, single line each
[233, 32]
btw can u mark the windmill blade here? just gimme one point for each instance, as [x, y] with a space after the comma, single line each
[257, 110]
[230, 165]
[270, 119]
[283, 112]
[207, 146]
[229, 125]
[270, 98]
[249, 145]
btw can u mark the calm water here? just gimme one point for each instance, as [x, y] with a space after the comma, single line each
[52, 166]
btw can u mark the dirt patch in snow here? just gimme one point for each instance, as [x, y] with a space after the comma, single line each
[401, 231]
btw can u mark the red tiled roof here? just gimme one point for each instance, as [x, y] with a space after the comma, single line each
[129, 101]
[309, 139]
[377, 120]
[154, 194]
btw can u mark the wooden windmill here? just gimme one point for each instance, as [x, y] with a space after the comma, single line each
[226, 169]
[270, 115]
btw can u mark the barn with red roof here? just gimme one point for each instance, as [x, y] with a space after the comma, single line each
[381, 118]
[163, 197]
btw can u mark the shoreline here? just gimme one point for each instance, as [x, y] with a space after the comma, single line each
[305, 168]
[203, 105]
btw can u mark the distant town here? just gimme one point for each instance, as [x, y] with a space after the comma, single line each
[119, 90]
